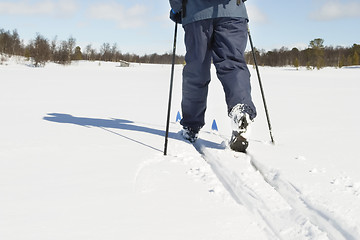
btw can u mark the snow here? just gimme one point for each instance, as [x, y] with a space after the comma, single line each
[81, 157]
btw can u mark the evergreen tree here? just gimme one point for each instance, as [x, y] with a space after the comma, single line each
[349, 61]
[317, 47]
[355, 59]
[78, 54]
[296, 63]
[341, 61]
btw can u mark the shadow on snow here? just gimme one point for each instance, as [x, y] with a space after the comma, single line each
[112, 123]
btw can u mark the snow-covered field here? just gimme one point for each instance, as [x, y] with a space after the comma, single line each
[81, 157]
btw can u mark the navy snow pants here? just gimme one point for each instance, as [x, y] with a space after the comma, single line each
[224, 41]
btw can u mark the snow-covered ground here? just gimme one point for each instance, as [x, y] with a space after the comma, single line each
[81, 157]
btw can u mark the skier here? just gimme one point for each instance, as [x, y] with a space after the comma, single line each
[215, 30]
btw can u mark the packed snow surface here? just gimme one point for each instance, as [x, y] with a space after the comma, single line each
[81, 157]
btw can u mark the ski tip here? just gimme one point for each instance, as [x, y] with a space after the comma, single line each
[214, 126]
[178, 117]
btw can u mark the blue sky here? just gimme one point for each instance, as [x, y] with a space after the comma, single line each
[142, 26]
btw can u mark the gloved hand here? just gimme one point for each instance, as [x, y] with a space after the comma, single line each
[175, 16]
[238, 2]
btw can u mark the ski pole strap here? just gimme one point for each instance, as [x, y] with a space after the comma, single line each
[184, 2]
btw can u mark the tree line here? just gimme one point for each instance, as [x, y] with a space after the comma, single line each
[41, 50]
[316, 56]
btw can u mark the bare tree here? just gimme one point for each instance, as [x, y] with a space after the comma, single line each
[39, 50]
[105, 52]
[71, 43]
[62, 54]
[88, 51]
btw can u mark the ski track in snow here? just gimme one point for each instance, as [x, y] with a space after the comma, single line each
[260, 189]
[293, 196]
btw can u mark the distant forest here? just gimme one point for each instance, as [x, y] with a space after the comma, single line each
[315, 56]
[40, 50]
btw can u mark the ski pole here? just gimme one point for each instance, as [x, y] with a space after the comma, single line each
[261, 87]
[170, 91]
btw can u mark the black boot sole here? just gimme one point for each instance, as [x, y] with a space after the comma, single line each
[239, 143]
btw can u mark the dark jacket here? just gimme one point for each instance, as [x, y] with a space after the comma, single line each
[205, 9]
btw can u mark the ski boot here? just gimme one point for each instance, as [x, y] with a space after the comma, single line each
[190, 134]
[240, 124]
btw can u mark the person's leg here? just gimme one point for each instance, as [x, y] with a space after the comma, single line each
[196, 73]
[229, 43]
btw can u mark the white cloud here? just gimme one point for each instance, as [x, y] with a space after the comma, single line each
[255, 14]
[45, 7]
[133, 17]
[332, 10]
